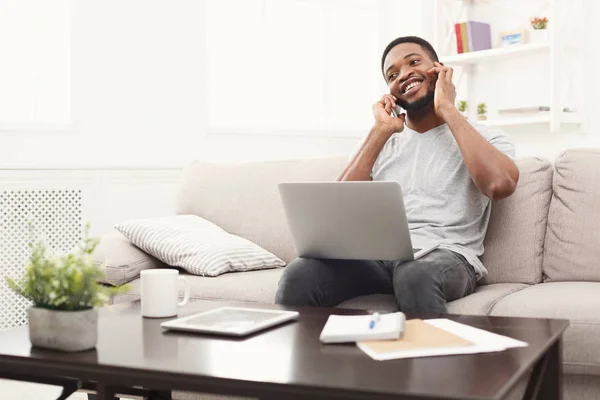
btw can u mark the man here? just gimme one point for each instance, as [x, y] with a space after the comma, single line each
[449, 171]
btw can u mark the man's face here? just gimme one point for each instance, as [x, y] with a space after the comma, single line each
[405, 70]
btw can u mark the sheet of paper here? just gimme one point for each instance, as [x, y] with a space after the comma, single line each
[476, 335]
[424, 344]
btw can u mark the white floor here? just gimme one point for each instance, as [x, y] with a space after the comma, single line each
[16, 390]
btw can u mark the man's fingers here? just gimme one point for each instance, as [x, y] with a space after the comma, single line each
[449, 72]
[392, 102]
[435, 70]
[386, 104]
[389, 104]
[442, 69]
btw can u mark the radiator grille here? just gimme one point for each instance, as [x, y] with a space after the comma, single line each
[55, 215]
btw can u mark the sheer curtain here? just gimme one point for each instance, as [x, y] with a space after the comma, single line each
[277, 66]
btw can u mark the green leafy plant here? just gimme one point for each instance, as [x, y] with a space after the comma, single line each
[481, 109]
[67, 282]
[462, 106]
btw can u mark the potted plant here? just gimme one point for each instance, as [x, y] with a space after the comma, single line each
[462, 107]
[539, 32]
[481, 111]
[64, 290]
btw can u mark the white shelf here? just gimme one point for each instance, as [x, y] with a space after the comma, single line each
[541, 118]
[514, 51]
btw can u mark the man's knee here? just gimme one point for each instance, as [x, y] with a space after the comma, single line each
[415, 278]
[417, 290]
[297, 285]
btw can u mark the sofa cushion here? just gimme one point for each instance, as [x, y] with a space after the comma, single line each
[478, 303]
[121, 260]
[197, 245]
[573, 240]
[484, 298]
[243, 198]
[577, 301]
[252, 286]
[514, 242]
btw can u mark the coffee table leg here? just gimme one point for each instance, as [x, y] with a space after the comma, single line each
[546, 379]
[552, 382]
[105, 392]
[158, 395]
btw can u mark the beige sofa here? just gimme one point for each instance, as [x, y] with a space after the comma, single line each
[541, 250]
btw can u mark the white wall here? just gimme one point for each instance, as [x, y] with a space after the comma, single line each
[138, 84]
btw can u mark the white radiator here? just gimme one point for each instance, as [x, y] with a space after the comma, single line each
[56, 215]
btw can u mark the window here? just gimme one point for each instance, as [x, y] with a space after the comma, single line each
[35, 68]
[292, 65]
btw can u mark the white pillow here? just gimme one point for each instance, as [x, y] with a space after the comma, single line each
[197, 245]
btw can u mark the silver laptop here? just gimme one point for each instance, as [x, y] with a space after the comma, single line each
[349, 220]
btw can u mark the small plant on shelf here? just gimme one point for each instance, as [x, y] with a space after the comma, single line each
[539, 22]
[462, 107]
[481, 111]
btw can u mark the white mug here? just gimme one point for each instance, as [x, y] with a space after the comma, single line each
[159, 292]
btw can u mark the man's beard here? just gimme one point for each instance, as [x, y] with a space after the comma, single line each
[420, 104]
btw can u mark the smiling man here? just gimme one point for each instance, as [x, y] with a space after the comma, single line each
[449, 170]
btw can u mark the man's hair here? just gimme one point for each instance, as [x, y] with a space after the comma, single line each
[410, 39]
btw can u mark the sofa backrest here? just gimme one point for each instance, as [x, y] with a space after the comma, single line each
[572, 250]
[243, 198]
[514, 242]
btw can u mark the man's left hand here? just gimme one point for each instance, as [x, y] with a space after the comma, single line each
[445, 92]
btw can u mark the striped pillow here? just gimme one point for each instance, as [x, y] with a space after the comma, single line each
[197, 245]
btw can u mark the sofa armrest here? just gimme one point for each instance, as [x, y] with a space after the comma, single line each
[121, 260]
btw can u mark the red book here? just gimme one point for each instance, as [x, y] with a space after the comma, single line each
[459, 46]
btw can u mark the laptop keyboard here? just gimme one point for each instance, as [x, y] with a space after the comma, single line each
[416, 250]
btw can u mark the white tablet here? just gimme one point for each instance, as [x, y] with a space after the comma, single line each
[231, 321]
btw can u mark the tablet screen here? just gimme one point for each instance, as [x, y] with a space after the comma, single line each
[226, 319]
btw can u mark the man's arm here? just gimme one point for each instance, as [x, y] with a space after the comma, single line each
[492, 171]
[360, 166]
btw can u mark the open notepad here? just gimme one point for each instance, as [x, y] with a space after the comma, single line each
[437, 337]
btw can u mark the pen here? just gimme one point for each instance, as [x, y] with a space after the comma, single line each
[374, 320]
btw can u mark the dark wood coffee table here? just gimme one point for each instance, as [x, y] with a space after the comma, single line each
[134, 355]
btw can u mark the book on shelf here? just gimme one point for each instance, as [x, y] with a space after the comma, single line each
[472, 36]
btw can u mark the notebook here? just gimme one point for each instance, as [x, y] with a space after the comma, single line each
[437, 337]
[352, 328]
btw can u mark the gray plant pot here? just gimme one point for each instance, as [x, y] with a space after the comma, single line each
[63, 330]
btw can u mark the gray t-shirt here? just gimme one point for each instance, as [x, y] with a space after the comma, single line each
[442, 203]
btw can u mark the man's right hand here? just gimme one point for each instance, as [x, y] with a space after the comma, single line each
[383, 120]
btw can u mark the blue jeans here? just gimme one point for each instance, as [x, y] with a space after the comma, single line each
[420, 286]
